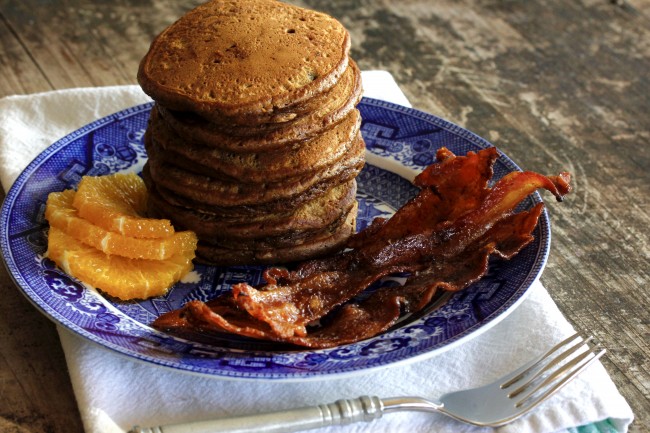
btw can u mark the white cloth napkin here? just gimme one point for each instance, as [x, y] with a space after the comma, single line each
[115, 392]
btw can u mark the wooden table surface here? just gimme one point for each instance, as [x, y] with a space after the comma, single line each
[555, 84]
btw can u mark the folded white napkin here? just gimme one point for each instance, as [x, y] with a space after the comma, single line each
[115, 392]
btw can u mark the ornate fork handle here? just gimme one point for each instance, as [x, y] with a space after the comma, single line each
[341, 412]
[494, 404]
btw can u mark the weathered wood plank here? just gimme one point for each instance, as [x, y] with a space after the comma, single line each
[555, 85]
[82, 43]
[20, 74]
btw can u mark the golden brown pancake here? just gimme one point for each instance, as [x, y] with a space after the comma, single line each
[230, 59]
[256, 167]
[325, 243]
[254, 139]
[311, 216]
[282, 206]
[206, 192]
[283, 240]
[263, 137]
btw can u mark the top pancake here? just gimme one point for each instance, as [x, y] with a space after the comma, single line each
[236, 58]
[329, 108]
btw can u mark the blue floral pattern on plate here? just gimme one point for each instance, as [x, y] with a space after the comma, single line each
[400, 141]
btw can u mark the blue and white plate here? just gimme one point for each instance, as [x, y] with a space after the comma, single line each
[401, 141]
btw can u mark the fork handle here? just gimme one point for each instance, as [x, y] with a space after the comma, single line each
[340, 412]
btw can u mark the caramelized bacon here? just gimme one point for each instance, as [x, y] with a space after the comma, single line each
[442, 239]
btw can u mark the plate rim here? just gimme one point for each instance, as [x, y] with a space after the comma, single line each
[484, 325]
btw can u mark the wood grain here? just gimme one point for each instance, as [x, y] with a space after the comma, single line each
[554, 84]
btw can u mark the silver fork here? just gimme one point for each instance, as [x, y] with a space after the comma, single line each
[498, 403]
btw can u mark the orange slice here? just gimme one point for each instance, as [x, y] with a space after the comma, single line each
[117, 203]
[117, 276]
[61, 214]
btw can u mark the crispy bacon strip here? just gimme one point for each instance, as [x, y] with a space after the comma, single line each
[443, 238]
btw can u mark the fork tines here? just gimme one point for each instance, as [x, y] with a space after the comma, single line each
[550, 372]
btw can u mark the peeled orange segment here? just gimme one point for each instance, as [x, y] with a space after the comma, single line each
[61, 214]
[117, 276]
[117, 203]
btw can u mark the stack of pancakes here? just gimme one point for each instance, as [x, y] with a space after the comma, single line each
[254, 139]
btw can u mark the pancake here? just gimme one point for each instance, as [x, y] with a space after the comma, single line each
[253, 210]
[256, 167]
[283, 240]
[205, 192]
[320, 212]
[264, 137]
[254, 140]
[231, 59]
[324, 244]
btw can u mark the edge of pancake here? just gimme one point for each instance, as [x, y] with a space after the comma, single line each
[195, 93]
[310, 216]
[207, 193]
[327, 244]
[256, 167]
[261, 137]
